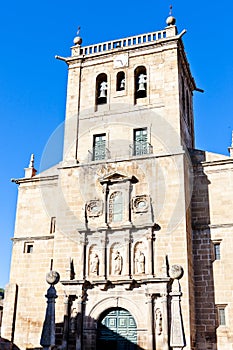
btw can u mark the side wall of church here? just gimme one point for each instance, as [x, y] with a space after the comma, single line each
[212, 225]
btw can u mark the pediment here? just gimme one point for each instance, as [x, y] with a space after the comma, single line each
[117, 177]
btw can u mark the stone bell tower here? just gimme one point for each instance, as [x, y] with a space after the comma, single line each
[114, 215]
[126, 188]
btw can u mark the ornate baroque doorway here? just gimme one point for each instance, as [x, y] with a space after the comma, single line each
[117, 330]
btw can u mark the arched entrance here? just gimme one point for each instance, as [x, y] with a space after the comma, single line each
[117, 330]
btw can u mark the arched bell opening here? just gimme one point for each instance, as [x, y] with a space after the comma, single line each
[120, 81]
[140, 82]
[116, 329]
[101, 89]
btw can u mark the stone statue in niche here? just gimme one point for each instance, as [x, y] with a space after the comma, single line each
[117, 263]
[140, 262]
[142, 79]
[158, 321]
[94, 264]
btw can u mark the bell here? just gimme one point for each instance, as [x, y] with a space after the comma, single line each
[141, 87]
[122, 86]
[103, 89]
[102, 94]
[142, 82]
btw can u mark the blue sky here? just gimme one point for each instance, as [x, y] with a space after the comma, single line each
[33, 83]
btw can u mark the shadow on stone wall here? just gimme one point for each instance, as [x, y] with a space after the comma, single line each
[203, 258]
[7, 345]
[91, 339]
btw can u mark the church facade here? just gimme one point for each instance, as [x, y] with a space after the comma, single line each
[134, 218]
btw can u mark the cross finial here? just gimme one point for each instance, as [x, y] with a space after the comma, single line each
[78, 31]
[170, 12]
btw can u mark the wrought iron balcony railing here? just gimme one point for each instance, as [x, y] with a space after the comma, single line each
[140, 148]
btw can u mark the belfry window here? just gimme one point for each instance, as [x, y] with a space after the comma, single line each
[99, 147]
[140, 82]
[120, 81]
[101, 89]
[116, 207]
[141, 145]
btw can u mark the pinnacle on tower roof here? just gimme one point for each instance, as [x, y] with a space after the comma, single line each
[30, 171]
[170, 20]
[78, 40]
[230, 149]
[31, 163]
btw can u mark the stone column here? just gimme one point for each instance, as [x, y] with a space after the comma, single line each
[102, 266]
[48, 331]
[165, 320]
[150, 260]
[150, 322]
[76, 320]
[127, 262]
[66, 324]
[177, 337]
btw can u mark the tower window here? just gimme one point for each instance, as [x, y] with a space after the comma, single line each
[140, 82]
[116, 207]
[28, 247]
[141, 145]
[99, 147]
[101, 89]
[217, 253]
[120, 81]
[221, 312]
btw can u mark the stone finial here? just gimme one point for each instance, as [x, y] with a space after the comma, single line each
[176, 271]
[52, 277]
[170, 20]
[47, 340]
[30, 171]
[31, 164]
[78, 40]
[230, 149]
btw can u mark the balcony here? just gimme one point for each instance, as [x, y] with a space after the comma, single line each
[140, 148]
[98, 153]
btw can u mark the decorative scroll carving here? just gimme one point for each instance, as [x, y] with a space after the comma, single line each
[140, 204]
[94, 208]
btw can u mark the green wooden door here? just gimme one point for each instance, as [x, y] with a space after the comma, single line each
[117, 330]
